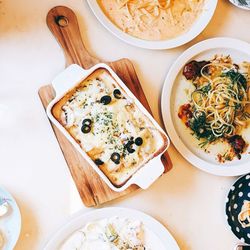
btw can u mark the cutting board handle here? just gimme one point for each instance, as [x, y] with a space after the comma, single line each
[63, 24]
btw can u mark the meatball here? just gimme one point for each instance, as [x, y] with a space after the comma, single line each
[193, 69]
[185, 113]
[238, 144]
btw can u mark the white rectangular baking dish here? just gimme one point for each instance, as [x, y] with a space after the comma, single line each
[70, 78]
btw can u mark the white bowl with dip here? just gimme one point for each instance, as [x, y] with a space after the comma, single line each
[199, 25]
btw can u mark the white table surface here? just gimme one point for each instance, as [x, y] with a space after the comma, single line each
[188, 202]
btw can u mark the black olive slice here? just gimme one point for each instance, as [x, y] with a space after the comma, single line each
[86, 129]
[86, 122]
[115, 157]
[117, 94]
[105, 100]
[129, 147]
[98, 162]
[131, 150]
[138, 141]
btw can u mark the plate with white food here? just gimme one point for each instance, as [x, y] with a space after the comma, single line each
[10, 221]
[205, 106]
[154, 24]
[114, 229]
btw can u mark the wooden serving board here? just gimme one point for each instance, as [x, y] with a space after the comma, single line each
[63, 24]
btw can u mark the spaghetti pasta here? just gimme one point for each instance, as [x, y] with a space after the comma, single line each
[220, 102]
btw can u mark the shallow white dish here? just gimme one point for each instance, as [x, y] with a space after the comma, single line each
[173, 95]
[10, 224]
[71, 77]
[162, 238]
[195, 30]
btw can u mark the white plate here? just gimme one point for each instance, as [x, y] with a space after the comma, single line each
[196, 29]
[10, 224]
[173, 95]
[162, 238]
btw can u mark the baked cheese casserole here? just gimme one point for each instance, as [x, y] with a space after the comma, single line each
[109, 127]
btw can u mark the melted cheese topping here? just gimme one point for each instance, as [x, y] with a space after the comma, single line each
[112, 126]
[153, 19]
[108, 234]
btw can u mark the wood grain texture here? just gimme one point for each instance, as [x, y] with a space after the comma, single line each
[63, 24]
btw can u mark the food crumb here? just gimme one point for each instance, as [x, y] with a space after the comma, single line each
[27, 235]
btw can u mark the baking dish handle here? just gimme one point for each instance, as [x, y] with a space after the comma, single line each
[150, 173]
[68, 78]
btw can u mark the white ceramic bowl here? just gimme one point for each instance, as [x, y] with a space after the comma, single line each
[71, 77]
[195, 30]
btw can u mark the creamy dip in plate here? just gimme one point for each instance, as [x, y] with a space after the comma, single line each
[153, 19]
